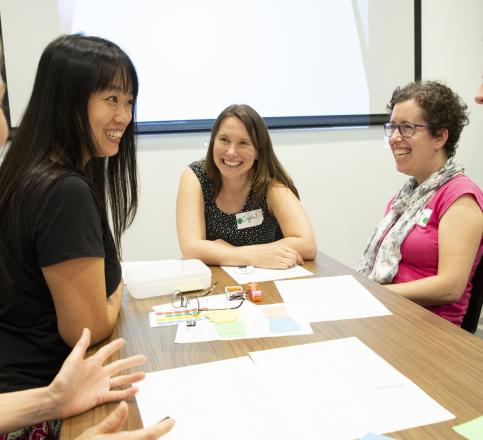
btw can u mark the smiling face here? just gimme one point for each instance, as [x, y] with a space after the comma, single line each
[422, 154]
[234, 153]
[109, 112]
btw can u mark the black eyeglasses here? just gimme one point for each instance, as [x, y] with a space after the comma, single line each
[191, 303]
[406, 129]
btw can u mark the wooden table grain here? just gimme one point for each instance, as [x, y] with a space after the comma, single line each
[442, 359]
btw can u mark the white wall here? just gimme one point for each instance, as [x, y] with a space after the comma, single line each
[25, 16]
[453, 52]
[345, 177]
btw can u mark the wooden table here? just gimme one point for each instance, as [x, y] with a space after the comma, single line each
[444, 360]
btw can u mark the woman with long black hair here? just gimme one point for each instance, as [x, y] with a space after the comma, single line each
[71, 163]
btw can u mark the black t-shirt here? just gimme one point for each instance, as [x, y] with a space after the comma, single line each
[64, 222]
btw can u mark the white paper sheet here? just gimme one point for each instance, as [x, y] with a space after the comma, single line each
[335, 389]
[216, 400]
[330, 298]
[348, 389]
[250, 274]
[208, 401]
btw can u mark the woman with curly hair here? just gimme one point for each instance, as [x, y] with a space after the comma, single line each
[429, 243]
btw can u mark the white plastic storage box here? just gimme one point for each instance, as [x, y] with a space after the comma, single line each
[145, 279]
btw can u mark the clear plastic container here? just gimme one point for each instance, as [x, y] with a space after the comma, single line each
[145, 279]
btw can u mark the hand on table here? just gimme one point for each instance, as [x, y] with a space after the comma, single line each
[109, 428]
[275, 256]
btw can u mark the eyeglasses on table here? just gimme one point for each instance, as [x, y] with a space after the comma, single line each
[191, 303]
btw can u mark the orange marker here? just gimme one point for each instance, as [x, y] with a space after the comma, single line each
[255, 295]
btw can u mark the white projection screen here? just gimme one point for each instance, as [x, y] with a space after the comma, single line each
[297, 62]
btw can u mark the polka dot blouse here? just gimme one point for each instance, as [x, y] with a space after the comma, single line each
[220, 225]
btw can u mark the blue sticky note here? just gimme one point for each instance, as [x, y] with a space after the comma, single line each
[372, 436]
[282, 324]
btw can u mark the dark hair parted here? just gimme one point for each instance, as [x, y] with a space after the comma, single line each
[441, 108]
[55, 129]
[267, 168]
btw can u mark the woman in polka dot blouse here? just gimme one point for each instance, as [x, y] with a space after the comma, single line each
[238, 206]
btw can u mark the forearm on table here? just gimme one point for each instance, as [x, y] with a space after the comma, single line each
[306, 247]
[221, 253]
[217, 253]
[25, 408]
[428, 291]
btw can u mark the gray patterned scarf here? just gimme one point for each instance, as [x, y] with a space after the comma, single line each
[382, 255]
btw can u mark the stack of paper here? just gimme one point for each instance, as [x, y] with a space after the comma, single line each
[330, 390]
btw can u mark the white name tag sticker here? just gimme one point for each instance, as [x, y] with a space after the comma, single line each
[249, 219]
[424, 216]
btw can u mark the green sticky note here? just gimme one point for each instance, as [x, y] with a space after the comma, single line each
[235, 329]
[472, 430]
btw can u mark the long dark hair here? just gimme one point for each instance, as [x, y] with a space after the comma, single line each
[55, 131]
[267, 168]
